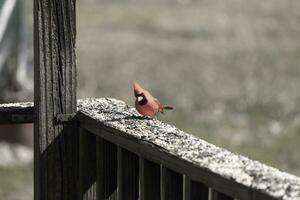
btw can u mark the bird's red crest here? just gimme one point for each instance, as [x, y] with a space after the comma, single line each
[137, 88]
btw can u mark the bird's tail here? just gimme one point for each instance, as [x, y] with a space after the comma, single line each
[167, 107]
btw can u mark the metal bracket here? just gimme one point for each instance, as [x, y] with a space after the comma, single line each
[64, 118]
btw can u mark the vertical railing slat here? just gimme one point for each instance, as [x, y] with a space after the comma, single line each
[106, 170]
[186, 187]
[128, 175]
[149, 180]
[171, 184]
[141, 179]
[119, 174]
[199, 191]
[215, 195]
[194, 190]
[87, 165]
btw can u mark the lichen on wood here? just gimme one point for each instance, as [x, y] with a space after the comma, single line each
[242, 170]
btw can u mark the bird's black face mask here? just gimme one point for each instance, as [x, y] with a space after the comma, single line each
[142, 100]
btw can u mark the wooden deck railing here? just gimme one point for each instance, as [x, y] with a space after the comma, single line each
[123, 156]
[105, 150]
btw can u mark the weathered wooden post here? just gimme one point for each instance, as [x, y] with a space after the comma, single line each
[55, 136]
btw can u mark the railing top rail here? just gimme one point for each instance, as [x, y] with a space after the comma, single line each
[236, 168]
[7, 107]
[16, 113]
[115, 115]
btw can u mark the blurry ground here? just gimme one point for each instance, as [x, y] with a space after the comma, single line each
[16, 172]
[231, 68]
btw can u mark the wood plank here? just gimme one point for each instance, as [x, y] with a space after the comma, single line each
[194, 190]
[156, 155]
[13, 113]
[107, 167]
[186, 187]
[120, 174]
[55, 145]
[149, 180]
[87, 165]
[171, 185]
[215, 195]
[128, 175]
[141, 179]
[198, 191]
[184, 153]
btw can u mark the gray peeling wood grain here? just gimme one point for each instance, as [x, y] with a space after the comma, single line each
[236, 168]
[55, 145]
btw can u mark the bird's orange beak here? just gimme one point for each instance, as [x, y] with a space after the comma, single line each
[137, 89]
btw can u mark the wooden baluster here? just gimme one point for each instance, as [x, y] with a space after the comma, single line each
[186, 187]
[107, 166]
[149, 180]
[171, 185]
[194, 190]
[128, 175]
[87, 165]
[215, 195]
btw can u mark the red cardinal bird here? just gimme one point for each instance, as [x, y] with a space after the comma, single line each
[145, 103]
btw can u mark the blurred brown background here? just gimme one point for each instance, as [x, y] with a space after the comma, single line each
[231, 69]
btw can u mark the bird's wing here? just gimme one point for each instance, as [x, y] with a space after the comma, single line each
[159, 104]
[160, 107]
